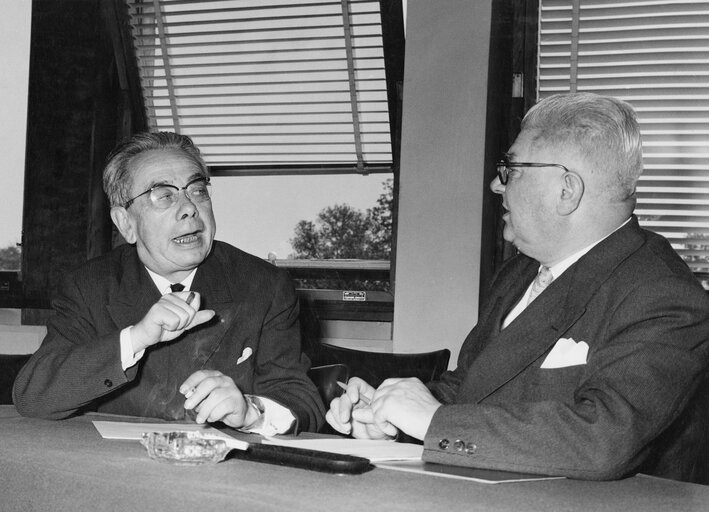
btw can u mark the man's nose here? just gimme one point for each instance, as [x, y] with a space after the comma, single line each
[187, 208]
[496, 186]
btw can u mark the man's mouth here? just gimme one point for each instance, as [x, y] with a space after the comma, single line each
[186, 239]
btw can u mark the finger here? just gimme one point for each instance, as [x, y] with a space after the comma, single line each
[185, 305]
[357, 388]
[341, 408]
[376, 431]
[222, 403]
[201, 317]
[172, 315]
[345, 428]
[194, 382]
[363, 415]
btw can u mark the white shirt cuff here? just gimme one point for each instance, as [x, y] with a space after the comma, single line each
[276, 419]
[128, 358]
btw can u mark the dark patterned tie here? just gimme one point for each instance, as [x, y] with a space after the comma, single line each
[543, 279]
[177, 287]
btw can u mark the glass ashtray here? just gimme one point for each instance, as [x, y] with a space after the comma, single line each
[187, 448]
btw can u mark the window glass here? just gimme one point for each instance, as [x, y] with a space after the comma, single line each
[653, 55]
[292, 219]
[15, 41]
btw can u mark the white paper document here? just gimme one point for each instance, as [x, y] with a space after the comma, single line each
[375, 451]
[483, 476]
[128, 430]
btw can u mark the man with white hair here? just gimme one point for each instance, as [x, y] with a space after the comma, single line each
[592, 343]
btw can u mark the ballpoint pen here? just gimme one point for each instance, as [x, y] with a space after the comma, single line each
[363, 398]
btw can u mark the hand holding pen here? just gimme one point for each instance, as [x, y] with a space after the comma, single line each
[351, 413]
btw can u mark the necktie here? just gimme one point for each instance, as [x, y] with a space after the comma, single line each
[543, 279]
[177, 287]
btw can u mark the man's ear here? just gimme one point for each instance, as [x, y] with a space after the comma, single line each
[572, 190]
[122, 220]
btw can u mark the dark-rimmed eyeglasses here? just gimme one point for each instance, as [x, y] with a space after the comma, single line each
[163, 196]
[503, 168]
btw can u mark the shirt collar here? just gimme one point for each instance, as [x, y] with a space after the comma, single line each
[564, 264]
[163, 284]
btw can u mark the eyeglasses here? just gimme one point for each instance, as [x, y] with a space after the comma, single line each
[164, 196]
[503, 168]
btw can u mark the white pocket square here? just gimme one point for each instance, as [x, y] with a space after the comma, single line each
[245, 355]
[566, 352]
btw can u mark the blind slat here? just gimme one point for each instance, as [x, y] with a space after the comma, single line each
[249, 80]
[655, 55]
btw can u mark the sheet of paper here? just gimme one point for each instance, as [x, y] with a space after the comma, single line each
[128, 430]
[375, 451]
[485, 476]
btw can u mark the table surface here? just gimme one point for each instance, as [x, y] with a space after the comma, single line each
[67, 465]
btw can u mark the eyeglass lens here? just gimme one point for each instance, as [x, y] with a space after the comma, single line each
[164, 196]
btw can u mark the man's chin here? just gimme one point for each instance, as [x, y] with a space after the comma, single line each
[190, 257]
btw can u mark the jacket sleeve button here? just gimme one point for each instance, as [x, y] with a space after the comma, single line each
[443, 444]
[471, 448]
[108, 383]
[459, 445]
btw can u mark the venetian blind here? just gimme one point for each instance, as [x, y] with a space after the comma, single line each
[655, 55]
[267, 86]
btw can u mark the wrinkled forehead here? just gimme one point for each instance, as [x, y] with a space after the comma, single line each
[171, 166]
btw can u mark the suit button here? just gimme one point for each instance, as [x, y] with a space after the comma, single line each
[470, 448]
[443, 444]
[459, 445]
[108, 383]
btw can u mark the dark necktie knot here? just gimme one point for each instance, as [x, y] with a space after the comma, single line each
[177, 287]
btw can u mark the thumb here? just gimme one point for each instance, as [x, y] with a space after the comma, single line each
[201, 317]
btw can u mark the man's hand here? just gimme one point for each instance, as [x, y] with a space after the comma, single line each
[398, 404]
[351, 413]
[406, 404]
[215, 397]
[168, 318]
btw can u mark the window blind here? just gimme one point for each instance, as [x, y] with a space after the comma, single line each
[655, 55]
[268, 86]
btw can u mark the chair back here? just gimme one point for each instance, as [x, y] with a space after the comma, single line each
[325, 379]
[375, 367]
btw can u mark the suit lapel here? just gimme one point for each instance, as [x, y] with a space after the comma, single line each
[136, 292]
[209, 282]
[541, 324]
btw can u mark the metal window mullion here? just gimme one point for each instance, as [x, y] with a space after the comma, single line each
[166, 61]
[353, 86]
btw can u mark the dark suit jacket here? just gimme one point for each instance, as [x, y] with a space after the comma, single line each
[646, 321]
[78, 366]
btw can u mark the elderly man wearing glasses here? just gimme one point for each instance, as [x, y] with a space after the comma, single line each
[592, 344]
[172, 324]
